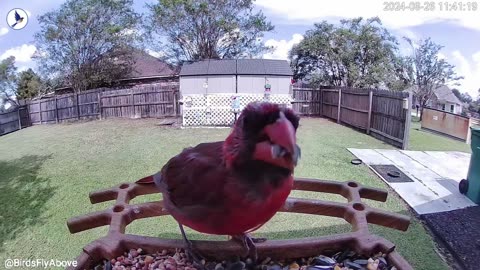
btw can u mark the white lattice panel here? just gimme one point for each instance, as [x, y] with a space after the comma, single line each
[216, 109]
[208, 117]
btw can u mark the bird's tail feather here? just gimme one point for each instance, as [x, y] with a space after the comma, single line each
[14, 25]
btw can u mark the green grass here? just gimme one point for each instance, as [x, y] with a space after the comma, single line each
[46, 173]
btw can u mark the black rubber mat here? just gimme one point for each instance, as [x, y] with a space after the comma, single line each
[391, 173]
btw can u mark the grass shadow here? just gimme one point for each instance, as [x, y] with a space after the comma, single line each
[23, 196]
[278, 235]
[287, 234]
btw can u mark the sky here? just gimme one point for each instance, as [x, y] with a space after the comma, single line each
[458, 31]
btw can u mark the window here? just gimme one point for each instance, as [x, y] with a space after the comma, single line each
[452, 108]
[443, 107]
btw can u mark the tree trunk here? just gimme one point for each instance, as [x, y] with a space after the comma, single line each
[423, 103]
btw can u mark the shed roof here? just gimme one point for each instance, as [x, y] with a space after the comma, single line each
[240, 66]
[221, 67]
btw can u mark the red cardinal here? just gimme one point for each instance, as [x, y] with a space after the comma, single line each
[233, 187]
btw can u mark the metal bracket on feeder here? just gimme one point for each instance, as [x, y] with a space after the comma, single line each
[187, 102]
[236, 104]
[208, 115]
[267, 92]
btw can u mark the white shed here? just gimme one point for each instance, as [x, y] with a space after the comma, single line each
[236, 76]
[214, 91]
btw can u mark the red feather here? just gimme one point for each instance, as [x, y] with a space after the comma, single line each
[217, 188]
[201, 193]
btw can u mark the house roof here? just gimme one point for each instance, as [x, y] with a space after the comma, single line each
[442, 93]
[146, 66]
[240, 67]
[445, 94]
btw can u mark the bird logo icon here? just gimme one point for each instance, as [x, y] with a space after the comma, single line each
[17, 18]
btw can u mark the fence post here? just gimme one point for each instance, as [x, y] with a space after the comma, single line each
[408, 120]
[174, 102]
[469, 131]
[133, 104]
[99, 105]
[28, 115]
[40, 105]
[370, 102]
[78, 108]
[56, 110]
[20, 121]
[321, 101]
[339, 105]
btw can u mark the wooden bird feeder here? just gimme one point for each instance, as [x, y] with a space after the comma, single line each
[354, 211]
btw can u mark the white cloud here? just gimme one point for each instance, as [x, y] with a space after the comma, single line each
[468, 69]
[281, 47]
[313, 11]
[3, 31]
[23, 53]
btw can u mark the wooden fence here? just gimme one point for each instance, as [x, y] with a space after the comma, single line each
[448, 124]
[380, 113]
[155, 100]
[14, 120]
[383, 114]
[307, 101]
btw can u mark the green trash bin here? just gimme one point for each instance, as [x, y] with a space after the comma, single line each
[471, 186]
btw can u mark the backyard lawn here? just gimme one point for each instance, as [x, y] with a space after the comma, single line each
[46, 173]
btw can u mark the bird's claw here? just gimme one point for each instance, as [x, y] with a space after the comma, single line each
[196, 258]
[249, 244]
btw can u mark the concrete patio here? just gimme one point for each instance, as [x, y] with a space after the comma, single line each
[435, 176]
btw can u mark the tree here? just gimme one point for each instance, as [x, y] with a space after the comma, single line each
[402, 74]
[430, 72]
[29, 84]
[206, 29]
[8, 81]
[357, 53]
[88, 42]
[463, 97]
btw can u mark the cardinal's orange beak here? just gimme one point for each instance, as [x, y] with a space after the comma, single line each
[283, 148]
